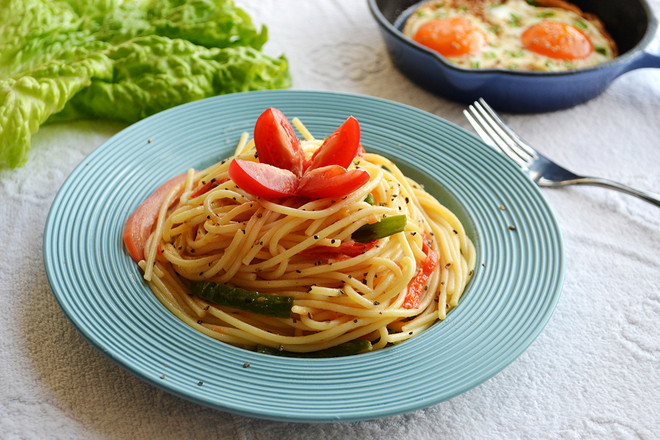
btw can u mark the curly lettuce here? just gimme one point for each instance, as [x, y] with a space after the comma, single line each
[68, 59]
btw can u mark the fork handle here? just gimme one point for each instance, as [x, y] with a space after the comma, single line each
[599, 181]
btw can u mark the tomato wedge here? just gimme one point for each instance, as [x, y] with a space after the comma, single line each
[138, 225]
[276, 142]
[340, 148]
[263, 180]
[346, 248]
[417, 283]
[331, 181]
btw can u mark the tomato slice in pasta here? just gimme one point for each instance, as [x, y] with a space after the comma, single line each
[263, 180]
[340, 148]
[276, 142]
[331, 181]
[138, 225]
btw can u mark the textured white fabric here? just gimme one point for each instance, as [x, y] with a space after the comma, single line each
[594, 372]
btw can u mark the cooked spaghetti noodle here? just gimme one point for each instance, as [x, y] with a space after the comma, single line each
[222, 234]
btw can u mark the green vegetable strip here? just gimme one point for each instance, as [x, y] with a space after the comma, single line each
[246, 300]
[356, 346]
[384, 228]
[370, 199]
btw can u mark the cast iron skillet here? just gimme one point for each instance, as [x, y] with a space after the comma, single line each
[630, 23]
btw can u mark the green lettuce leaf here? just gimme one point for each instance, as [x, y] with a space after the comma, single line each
[68, 59]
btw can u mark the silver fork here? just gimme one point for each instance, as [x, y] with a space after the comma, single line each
[490, 127]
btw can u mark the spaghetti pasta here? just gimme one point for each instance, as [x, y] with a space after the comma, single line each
[211, 234]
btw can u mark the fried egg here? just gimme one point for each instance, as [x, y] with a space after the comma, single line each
[541, 35]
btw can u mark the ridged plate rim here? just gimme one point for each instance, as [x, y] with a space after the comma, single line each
[514, 291]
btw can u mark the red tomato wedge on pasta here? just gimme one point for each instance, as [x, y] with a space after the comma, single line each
[331, 181]
[340, 148]
[276, 142]
[417, 283]
[138, 225]
[263, 180]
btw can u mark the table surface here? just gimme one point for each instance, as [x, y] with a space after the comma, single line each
[594, 372]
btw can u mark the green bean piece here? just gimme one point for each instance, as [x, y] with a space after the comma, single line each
[355, 346]
[264, 304]
[383, 228]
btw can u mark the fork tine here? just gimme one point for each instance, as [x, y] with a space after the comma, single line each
[503, 127]
[489, 132]
[483, 134]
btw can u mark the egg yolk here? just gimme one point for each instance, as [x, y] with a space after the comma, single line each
[451, 36]
[557, 40]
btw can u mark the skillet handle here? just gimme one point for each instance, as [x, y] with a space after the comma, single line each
[650, 56]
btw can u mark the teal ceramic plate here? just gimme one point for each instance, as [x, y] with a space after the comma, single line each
[512, 295]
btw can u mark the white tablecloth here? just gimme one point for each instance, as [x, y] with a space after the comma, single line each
[594, 372]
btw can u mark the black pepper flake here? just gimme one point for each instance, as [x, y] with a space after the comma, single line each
[200, 383]
[413, 233]
[149, 141]
[207, 307]
[350, 276]
[280, 347]
[208, 217]
[309, 315]
[245, 365]
[259, 215]
[298, 271]
[316, 237]
[199, 321]
[342, 291]
[376, 303]
[512, 228]
[192, 251]
[447, 266]
[333, 241]
[162, 376]
[355, 321]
